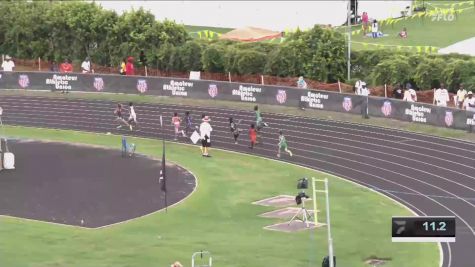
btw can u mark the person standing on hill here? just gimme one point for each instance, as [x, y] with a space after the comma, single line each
[365, 21]
[374, 29]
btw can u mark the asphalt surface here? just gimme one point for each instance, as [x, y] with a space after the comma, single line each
[86, 186]
[430, 175]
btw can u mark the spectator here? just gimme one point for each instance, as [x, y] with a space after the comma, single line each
[461, 94]
[129, 67]
[122, 67]
[86, 66]
[397, 92]
[176, 264]
[364, 91]
[53, 66]
[365, 21]
[66, 66]
[469, 103]
[301, 83]
[374, 29]
[409, 94]
[441, 96]
[143, 58]
[403, 33]
[8, 64]
[359, 86]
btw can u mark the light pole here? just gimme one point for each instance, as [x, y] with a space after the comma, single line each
[348, 63]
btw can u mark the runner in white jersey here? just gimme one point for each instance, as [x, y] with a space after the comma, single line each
[132, 116]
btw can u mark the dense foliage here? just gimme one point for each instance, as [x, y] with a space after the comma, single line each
[423, 71]
[58, 30]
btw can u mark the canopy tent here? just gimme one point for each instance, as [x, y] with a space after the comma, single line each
[466, 47]
[250, 34]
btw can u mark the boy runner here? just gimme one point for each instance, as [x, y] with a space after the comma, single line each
[119, 112]
[234, 129]
[188, 123]
[252, 136]
[283, 144]
[176, 120]
[132, 116]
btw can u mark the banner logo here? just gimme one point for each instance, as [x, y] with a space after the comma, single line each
[281, 96]
[386, 109]
[213, 90]
[449, 118]
[23, 81]
[98, 83]
[142, 86]
[347, 104]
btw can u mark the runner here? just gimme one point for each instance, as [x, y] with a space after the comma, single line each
[188, 123]
[283, 144]
[119, 112]
[252, 136]
[176, 121]
[234, 129]
[132, 116]
[259, 123]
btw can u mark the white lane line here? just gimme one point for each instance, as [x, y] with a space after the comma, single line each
[316, 146]
[366, 143]
[220, 110]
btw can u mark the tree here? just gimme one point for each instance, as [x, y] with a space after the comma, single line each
[251, 62]
[213, 58]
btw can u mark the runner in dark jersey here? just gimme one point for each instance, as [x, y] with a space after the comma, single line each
[119, 113]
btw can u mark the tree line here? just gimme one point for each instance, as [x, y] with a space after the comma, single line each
[57, 30]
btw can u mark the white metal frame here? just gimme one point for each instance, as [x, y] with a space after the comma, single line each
[315, 216]
[201, 253]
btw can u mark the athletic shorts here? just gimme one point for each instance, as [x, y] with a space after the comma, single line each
[205, 143]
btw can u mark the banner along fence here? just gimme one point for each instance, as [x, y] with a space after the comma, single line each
[243, 92]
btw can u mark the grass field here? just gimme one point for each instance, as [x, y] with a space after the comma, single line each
[218, 217]
[422, 31]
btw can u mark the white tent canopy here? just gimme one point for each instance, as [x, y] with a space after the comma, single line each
[466, 47]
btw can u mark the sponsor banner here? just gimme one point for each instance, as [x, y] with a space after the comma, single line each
[178, 87]
[251, 93]
[61, 82]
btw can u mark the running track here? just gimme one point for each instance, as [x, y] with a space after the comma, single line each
[431, 175]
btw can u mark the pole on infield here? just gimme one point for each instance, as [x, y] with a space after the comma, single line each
[327, 200]
[330, 240]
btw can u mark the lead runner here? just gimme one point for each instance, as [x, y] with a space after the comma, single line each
[283, 145]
